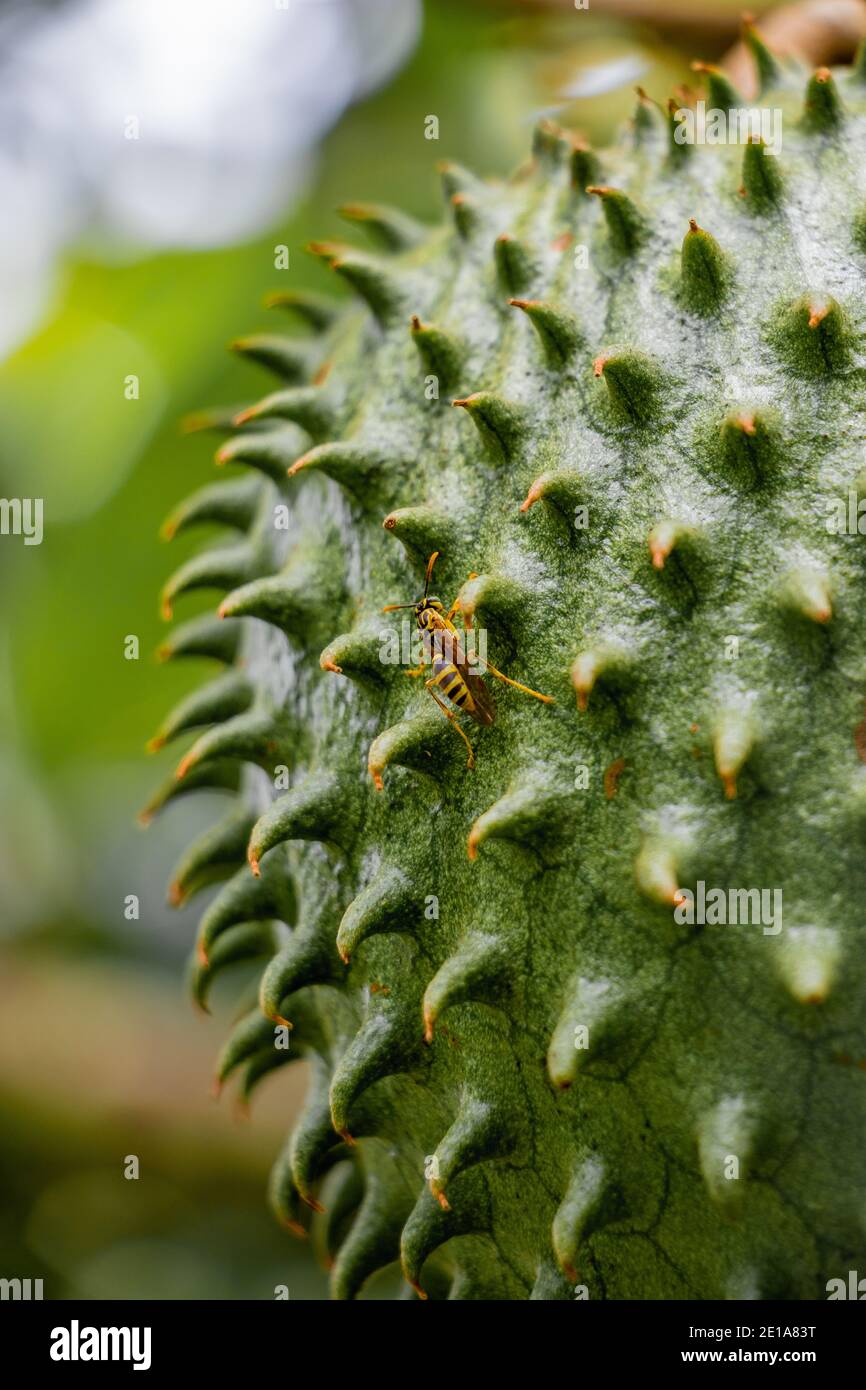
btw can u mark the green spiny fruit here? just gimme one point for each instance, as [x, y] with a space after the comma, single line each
[526, 1074]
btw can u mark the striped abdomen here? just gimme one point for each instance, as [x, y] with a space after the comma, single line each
[451, 684]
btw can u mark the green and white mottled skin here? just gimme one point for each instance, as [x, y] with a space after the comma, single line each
[701, 393]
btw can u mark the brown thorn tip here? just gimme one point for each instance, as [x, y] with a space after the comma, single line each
[298, 464]
[415, 323]
[201, 952]
[816, 315]
[441, 1199]
[244, 415]
[344, 957]
[166, 610]
[535, 492]
[331, 666]
[294, 1226]
[175, 894]
[418, 1289]
[311, 1202]
[390, 521]
[253, 862]
[154, 744]
[472, 846]
[464, 402]
[612, 775]
[284, 1022]
[822, 74]
[729, 782]
[429, 1022]
[184, 766]
[599, 365]
[344, 1134]
[693, 226]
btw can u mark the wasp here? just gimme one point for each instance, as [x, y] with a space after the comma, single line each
[452, 678]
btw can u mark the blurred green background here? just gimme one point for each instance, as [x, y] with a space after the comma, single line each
[100, 1054]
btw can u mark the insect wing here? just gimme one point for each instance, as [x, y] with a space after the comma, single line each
[485, 710]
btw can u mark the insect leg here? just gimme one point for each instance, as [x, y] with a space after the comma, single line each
[548, 699]
[449, 714]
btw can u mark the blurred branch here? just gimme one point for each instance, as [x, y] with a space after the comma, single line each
[815, 32]
[681, 16]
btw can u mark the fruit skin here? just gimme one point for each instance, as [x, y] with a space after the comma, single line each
[702, 638]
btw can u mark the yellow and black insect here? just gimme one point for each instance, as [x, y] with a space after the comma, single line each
[451, 676]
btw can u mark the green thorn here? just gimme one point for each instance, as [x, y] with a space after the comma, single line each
[704, 270]
[292, 361]
[769, 70]
[823, 110]
[318, 311]
[585, 167]
[516, 266]
[814, 334]
[721, 92]
[439, 353]
[388, 227]
[559, 334]
[634, 382]
[497, 421]
[625, 224]
[762, 180]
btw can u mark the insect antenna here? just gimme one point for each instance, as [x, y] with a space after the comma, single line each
[430, 563]
[395, 607]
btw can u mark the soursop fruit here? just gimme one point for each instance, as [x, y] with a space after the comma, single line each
[587, 1020]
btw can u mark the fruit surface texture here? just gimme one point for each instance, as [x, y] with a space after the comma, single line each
[624, 392]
